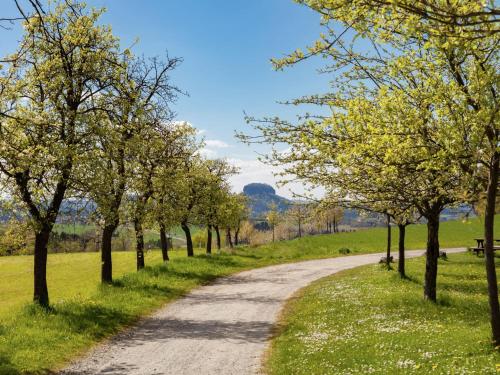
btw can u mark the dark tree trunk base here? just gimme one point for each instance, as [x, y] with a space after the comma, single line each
[164, 243]
[217, 235]
[389, 241]
[106, 260]
[401, 251]
[229, 241]
[209, 239]
[189, 241]
[139, 238]
[41, 292]
[432, 255]
[489, 254]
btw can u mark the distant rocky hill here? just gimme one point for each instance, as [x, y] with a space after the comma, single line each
[261, 196]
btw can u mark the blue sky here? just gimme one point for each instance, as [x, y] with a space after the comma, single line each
[226, 46]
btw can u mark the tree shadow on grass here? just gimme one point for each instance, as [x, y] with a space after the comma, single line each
[462, 277]
[146, 288]
[95, 320]
[7, 367]
[409, 279]
[464, 288]
[202, 277]
[246, 255]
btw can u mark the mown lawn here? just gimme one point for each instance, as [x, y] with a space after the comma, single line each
[83, 312]
[369, 321]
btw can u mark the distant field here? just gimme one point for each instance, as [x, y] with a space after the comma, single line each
[32, 341]
[452, 234]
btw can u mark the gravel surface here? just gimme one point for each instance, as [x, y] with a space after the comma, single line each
[222, 328]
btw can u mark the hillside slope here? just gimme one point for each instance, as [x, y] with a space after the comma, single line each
[260, 197]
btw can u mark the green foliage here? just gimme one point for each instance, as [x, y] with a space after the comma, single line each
[344, 250]
[273, 216]
[200, 239]
[63, 60]
[364, 321]
[14, 238]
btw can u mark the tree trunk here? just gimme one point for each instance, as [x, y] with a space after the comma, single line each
[217, 235]
[209, 239]
[432, 255]
[273, 233]
[389, 240]
[237, 236]
[489, 254]
[164, 242]
[229, 241]
[189, 241]
[106, 260]
[300, 228]
[41, 292]
[139, 240]
[401, 250]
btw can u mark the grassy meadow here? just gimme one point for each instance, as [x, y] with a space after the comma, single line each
[83, 312]
[364, 321]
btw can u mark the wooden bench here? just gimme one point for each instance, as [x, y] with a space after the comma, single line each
[480, 242]
[478, 250]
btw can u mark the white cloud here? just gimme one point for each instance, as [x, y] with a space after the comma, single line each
[215, 143]
[208, 153]
[212, 148]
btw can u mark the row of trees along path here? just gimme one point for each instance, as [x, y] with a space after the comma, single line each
[412, 123]
[81, 118]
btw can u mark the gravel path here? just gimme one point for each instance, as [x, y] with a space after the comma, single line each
[222, 328]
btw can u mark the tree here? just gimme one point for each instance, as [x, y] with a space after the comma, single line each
[408, 61]
[63, 61]
[241, 213]
[190, 193]
[163, 144]
[214, 205]
[168, 186]
[462, 37]
[420, 157]
[141, 86]
[298, 212]
[232, 211]
[329, 213]
[273, 217]
[464, 19]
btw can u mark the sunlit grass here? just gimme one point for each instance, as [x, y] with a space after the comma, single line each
[369, 321]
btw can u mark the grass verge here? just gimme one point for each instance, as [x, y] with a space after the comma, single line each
[366, 321]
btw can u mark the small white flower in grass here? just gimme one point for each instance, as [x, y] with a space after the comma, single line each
[428, 355]
[405, 363]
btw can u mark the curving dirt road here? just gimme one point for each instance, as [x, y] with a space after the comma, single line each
[222, 328]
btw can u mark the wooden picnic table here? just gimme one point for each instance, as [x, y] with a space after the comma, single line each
[480, 242]
[480, 246]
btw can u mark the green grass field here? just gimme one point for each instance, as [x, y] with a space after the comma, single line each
[372, 322]
[34, 341]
